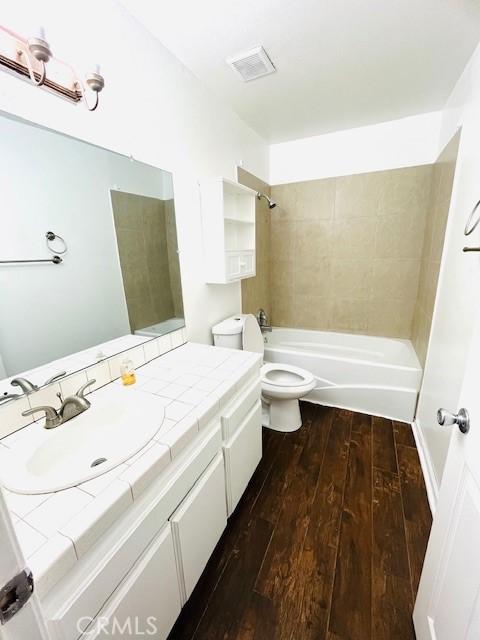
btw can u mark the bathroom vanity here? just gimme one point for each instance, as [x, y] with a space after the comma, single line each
[127, 547]
[119, 503]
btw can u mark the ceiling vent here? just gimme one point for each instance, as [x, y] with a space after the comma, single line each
[252, 64]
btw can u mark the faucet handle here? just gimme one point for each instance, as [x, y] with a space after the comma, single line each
[57, 376]
[51, 416]
[80, 392]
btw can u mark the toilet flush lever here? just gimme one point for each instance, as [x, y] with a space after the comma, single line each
[461, 419]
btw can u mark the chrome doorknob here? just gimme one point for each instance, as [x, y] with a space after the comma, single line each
[462, 419]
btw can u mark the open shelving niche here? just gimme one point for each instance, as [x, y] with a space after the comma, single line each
[228, 222]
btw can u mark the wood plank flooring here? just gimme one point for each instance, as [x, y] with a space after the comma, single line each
[327, 542]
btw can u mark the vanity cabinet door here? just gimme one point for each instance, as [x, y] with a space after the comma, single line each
[198, 523]
[242, 454]
[147, 601]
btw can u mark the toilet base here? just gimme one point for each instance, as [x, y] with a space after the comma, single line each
[281, 415]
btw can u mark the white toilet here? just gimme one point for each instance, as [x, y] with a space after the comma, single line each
[282, 384]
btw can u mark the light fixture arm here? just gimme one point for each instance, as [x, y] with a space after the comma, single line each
[79, 86]
[39, 49]
[31, 72]
[96, 83]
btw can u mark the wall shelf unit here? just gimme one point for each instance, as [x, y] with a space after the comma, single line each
[228, 223]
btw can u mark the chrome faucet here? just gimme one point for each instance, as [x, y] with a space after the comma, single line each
[262, 320]
[28, 387]
[25, 385]
[71, 407]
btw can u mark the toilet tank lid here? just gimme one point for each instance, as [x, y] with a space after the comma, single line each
[229, 327]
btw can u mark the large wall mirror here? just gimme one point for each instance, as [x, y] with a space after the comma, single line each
[120, 274]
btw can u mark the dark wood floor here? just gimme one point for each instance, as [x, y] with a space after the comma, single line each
[327, 542]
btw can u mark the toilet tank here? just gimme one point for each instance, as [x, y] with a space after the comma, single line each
[228, 333]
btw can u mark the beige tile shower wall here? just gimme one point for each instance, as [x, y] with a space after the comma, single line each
[346, 252]
[256, 292]
[142, 246]
[437, 215]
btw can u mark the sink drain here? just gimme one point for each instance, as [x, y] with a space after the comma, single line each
[98, 461]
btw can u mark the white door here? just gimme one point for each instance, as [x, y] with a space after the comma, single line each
[448, 601]
[28, 622]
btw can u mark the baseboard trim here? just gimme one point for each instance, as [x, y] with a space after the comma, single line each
[427, 467]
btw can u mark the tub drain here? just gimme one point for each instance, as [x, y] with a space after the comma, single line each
[98, 461]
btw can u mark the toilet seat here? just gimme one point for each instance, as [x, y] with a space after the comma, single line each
[282, 384]
[285, 375]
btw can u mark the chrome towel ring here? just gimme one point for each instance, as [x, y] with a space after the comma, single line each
[471, 225]
[51, 237]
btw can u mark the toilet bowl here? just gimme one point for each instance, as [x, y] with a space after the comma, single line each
[282, 384]
[282, 387]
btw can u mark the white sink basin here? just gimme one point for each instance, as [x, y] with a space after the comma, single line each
[120, 422]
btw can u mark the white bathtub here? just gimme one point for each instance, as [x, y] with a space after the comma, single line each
[379, 376]
[161, 328]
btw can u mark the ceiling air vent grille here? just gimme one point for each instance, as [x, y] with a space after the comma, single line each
[251, 64]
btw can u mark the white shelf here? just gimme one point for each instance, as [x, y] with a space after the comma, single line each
[237, 221]
[228, 220]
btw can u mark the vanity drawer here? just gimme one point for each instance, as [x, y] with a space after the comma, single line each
[242, 455]
[147, 601]
[198, 524]
[236, 412]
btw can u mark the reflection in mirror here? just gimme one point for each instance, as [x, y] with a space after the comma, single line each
[103, 297]
[147, 246]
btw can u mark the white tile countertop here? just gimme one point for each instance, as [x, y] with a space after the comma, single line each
[192, 383]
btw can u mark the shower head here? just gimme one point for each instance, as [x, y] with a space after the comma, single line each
[271, 203]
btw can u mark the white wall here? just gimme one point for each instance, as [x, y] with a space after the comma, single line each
[152, 108]
[400, 143]
[456, 312]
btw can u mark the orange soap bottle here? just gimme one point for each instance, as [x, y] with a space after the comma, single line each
[127, 372]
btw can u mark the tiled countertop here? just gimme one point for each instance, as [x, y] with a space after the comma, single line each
[191, 383]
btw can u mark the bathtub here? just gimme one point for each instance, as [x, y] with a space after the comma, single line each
[379, 376]
[161, 328]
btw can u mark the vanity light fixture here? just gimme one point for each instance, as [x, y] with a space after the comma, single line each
[39, 48]
[95, 83]
[29, 58]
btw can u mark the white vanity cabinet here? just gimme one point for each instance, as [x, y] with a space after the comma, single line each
[242, 448]
[136, 578]
[242, 454]
[147, 601]
[197, 525]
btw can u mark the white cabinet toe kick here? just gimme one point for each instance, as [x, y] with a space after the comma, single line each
[140, 573]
